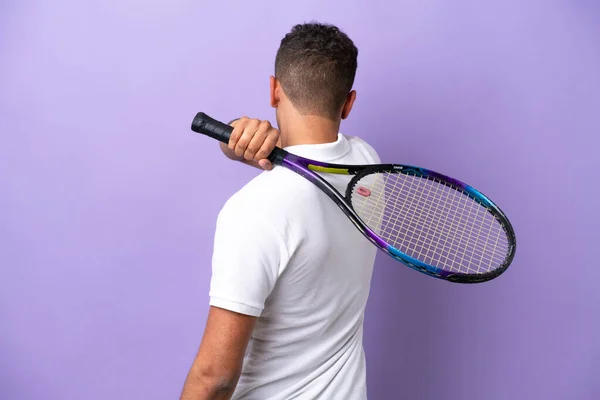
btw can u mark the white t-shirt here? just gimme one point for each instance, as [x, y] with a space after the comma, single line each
[285, 252]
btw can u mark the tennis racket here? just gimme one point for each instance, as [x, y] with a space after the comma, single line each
[430, 222]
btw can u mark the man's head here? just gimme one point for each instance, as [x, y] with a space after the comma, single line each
[315, 68]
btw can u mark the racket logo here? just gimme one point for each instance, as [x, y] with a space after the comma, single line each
[363, 191]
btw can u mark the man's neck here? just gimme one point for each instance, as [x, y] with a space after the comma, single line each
[308, 130]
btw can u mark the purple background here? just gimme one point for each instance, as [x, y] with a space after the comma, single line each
[108, 201]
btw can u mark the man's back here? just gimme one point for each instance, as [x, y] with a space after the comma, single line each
[305, 270]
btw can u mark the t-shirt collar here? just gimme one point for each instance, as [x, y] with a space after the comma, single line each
[322, 151]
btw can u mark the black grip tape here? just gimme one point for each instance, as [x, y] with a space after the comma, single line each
[208, 126]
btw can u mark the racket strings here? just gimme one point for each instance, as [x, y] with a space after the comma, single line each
[432, 222]
[413, 222]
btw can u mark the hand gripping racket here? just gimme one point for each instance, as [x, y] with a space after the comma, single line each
[430, 222]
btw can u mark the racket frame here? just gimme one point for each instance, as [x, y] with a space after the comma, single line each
[309, 168]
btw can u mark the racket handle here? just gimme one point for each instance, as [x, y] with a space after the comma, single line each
[208, 126]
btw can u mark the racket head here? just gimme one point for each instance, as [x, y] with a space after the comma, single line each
[432, 223]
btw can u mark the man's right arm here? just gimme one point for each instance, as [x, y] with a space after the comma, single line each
[251, 142]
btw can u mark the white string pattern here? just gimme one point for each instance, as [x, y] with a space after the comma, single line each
[431, 221]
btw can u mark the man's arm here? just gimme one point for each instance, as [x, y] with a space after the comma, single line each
[251, 142]
[218, 364]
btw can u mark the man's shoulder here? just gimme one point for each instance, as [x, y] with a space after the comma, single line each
[269, 193]
[361, 145]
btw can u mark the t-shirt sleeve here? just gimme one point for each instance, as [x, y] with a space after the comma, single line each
[248, 255]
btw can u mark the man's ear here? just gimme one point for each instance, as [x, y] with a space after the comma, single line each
[275, 87]
[348, 104]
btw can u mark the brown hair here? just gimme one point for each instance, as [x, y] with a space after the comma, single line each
[316, 65]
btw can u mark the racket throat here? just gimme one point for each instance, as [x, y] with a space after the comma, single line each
[277, 155]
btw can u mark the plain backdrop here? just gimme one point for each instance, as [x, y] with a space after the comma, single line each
[108, 201]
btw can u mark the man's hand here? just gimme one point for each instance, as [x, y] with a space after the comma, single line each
[252, 141]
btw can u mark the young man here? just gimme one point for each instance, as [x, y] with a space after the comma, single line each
[291, 274]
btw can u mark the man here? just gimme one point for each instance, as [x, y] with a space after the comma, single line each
[291, 274]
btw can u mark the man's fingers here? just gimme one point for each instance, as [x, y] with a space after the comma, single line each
[234, 137]
[268, 145]
[242, 143]
[238, 129]
[265, 164]
[255, 144]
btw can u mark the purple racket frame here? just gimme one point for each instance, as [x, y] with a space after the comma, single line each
[309, 169]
